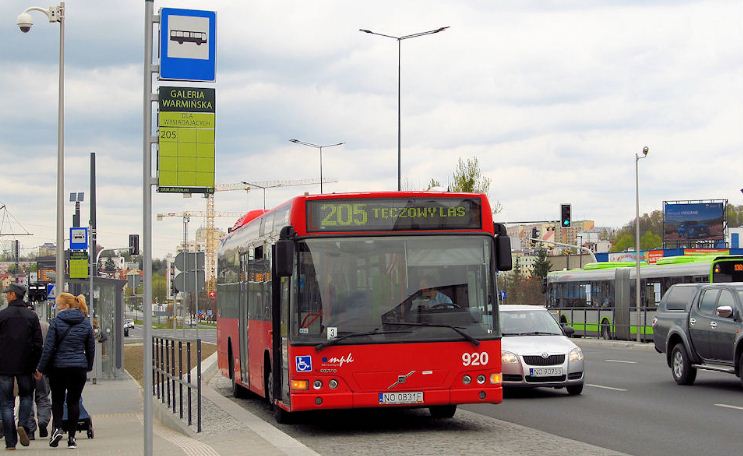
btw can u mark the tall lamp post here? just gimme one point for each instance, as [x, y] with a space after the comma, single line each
[25, 21]
[399, 41]
[638, 157]
[316, 146]
[262, 188]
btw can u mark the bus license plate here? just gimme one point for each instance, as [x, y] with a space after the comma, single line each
[401, 398]
[545, 371]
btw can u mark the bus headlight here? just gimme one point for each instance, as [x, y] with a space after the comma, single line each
[333, 384]
[466, 379]
[509, 358]
[317, 384]
[481, 379]
[576, 354]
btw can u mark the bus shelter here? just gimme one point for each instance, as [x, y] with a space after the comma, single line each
[108, 306]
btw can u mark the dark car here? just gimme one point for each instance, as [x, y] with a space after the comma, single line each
[701, 327]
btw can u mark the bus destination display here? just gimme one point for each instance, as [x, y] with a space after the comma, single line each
[394, 215]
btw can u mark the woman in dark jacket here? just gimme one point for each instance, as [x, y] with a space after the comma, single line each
[68, 355]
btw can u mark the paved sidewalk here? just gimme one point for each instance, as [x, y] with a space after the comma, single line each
[116, 410]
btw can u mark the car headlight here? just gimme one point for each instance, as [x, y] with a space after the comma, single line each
[576, 354]
[509, 358]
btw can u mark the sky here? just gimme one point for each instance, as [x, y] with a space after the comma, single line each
[554, 98]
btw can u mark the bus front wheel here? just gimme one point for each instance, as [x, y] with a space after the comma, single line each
[442, 411]
[280, 415]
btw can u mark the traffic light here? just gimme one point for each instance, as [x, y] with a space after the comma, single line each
[565, 215]
[133, 244]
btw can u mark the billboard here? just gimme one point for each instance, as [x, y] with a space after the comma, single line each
[693, 221]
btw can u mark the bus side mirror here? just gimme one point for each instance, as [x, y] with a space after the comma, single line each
[284, 257]
[503, 253]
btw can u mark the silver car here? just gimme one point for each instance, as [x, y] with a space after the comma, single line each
[535, 351]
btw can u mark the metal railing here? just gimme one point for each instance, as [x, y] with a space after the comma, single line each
[167, 371]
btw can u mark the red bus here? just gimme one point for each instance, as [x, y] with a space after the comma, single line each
[364, 300]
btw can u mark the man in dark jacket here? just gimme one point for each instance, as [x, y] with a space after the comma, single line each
[20, 350]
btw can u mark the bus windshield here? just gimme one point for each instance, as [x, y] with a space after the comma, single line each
[398, 288]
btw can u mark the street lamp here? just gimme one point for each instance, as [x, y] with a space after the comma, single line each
[316, 146]
[262, 188]
[25, 21]
[399, 41]
[645, 151]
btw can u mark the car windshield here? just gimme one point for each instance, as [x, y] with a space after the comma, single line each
[528, 323]
[397, 288]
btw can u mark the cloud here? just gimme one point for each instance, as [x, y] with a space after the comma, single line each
[553, 98]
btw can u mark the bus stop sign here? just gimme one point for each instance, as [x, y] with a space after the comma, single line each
[188, 45]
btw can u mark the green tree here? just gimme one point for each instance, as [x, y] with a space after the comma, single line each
[542, 265]
[468, 177]
[650, 240]
[110, 265]
[734, 215]
[159, 287]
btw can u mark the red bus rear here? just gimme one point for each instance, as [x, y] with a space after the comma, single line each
[364, 300]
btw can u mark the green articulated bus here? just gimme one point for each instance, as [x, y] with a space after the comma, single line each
[599, 300]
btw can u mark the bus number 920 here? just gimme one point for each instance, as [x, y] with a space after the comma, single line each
[475, 359]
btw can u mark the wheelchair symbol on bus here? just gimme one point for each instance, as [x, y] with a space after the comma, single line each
[304, 363]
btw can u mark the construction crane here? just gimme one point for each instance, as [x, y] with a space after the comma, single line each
[211, 236]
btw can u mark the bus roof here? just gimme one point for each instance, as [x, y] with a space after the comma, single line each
[667, 266]
[303, 214]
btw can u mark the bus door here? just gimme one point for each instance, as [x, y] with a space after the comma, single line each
[243, 317]
[622, 300]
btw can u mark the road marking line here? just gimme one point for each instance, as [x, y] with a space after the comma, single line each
[606, 387]
[730, 406]
[620, 361]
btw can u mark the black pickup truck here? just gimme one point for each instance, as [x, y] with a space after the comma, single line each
[700, 326]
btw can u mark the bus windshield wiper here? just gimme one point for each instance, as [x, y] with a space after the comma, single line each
[457, 329]
[373, 332]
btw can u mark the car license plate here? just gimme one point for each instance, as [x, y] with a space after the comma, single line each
[415, 397]
[545, 371]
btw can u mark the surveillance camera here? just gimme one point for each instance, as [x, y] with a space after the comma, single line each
[645, 150]
[24, 22]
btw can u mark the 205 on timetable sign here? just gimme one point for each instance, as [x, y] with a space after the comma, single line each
[186, 140]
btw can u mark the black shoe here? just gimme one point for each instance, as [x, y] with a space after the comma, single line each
[31, 436]
[71, 443]
[56, 437]
[43, 432]
[23, 436]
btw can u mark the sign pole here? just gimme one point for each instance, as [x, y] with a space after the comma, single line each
[196, 286]
[91, 255]
[147, 222]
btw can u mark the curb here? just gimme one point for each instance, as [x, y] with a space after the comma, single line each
[582, 341]
[274, 436]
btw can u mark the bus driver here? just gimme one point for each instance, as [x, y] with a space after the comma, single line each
[430, 297]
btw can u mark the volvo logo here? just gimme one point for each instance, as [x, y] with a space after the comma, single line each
[401, 379]
[545, 355]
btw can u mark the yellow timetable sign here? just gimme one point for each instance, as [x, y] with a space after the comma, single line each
[186, 140]
[78, 265]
